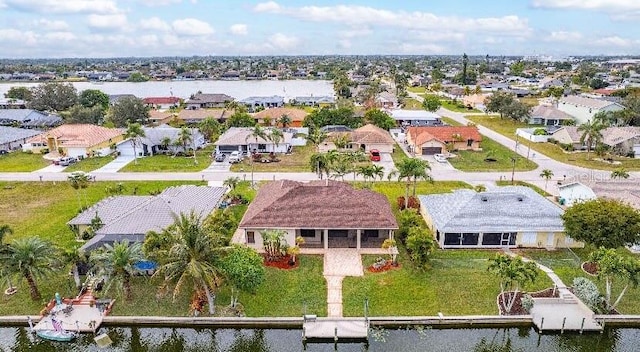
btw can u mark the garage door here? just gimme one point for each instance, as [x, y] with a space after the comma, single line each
[431, 150]
[126, 149]
[227, 148]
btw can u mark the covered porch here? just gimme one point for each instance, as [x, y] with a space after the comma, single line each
[344, 238]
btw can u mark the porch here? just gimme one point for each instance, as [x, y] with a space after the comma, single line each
[342, 238]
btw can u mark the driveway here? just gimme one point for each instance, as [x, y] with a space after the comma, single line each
[219, 166]
[117, 164]
[386, 161]
[52, 168]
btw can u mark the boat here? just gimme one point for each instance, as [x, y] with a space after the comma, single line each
[57, 333]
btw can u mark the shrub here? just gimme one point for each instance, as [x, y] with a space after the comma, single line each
[527, 302]
[567, 146]
[539, 132]
[552, 140]
[31, 151]
[588, 293]
[420, 244]
[406, 220]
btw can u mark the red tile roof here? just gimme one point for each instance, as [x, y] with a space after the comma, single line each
[318, 204]
[275, 113]
[78, 135]
[444, 134]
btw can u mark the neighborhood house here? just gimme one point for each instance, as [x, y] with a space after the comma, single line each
[76, 140]
[406, 118]
[437, 140]
[295, 115]
[584, 108]
[12, 138]
[208, 101]
[241, 139]
[365, 138]
[162, 139]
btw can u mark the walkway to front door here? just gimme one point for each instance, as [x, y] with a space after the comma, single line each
[338, 263]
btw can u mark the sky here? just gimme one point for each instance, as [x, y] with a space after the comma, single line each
[142, 28]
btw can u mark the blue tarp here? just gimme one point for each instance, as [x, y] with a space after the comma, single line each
[145, 265]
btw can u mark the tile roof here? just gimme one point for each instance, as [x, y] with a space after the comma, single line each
[318, 204]
[240, 136]
[368, 134]
[505, 209]
[28, 118]
[623, 190]
[549, 112]
[612, 136]
[275, 113]
[79, 135]
[157, 115]
[201, 114]
[12, 134]
[444, 134]
[586, 102]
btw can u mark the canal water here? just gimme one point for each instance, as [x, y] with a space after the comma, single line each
[282, 340]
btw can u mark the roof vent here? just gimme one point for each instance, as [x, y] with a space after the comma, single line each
[484, 198]
[520, 198]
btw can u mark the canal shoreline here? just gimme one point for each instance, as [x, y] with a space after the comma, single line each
[444, 322]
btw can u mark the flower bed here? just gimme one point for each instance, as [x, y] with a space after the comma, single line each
[517, 308]
[590, 268]
[379, 268]
[283, 263]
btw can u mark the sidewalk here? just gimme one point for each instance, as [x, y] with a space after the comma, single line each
[339, 263]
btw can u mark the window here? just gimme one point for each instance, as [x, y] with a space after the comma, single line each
[469, 239]
[262, 146]
[251, 237]
[370, 233]
[308, 233]
[469, 142]
[491, 239]
[451, 239]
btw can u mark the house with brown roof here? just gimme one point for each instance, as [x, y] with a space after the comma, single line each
[327, 214]
[548, 115]
[208, 101]
[161, 103]
[296, 115]
[429, 140]
[158, 117]
[365, 138]
[77, 140]
[475, 101]
[195, 116]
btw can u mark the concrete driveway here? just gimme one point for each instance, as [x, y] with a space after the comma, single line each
[219, 166]
[117, 164]
[386, 161]
[52, 168]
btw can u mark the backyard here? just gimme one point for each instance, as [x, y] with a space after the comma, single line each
[456, 107]
[170, 163]
[19, 161]
[467, 160]
[297, 161]
[89, 164]
[508, 128]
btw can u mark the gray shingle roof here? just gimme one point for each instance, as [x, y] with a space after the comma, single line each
[28, 118]
[506, 209]
[238, 136]
[586, 102]
[549, 112]
[12, 134]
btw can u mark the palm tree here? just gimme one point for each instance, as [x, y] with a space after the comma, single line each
[32, 259]
[79, 180]
[316, 137]
[320, 163]
[117, 263]
[378, 171]
[619, 173]
[365, 170]
[192, 258]
[591, 134]
[284, 120]
[341, 140]
[341, 166]
[210, 127]
[73, 256]
[4, 256]
[276, 136]
[547, 175]
[134, 132]
[514, 273]
[411, 169]
[258, 133]
[165, 142]
[231, 182]
[184, 137]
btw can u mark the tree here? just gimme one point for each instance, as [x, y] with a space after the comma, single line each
[619, 173]
[514, 273]
[517, 68]
[117, 263]
[431, 103]
[165, 142]
[53, 96]
[79, 181]
[210, 128]
[465, 62]
[192, 257]
[18, 93]
[340, 165]
[243, 270]
[547, 174]
[137, 77]
[257, 133]
[284, 121]
[320, 163]
[598, 83]
[341, 140]
[591, 134]
[390, 245]
[274, 244]
[612, 266]
[184, 138]
[420, 244]
[231, 182]
[411, 169]
[134, 132]
[31, 258]
[316, 137]
[380, 119]
[603, 222]
[90, 98]
[333, 116]
[73, 256]
[5, 273]
[498, 101]
[80, 114]
[128, 110]
[240, 119]
[517, 111]
[276, 136]
[555, 92]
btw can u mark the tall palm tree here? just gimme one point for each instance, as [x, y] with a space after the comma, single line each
[316, 137]
[31, 258]
[4, 255]
[192, 258]
[231, 182]
[257, 133]
[378, 171]
[285, 121]
[547, 174]
[117, 263]
[591, 134]
[165, 142]
[276, 136]
[79, 181]
[184, 138]
[134, 132]
[411, 170]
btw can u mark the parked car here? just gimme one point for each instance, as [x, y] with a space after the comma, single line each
[374, 155]
[220, 157]
[441, 158]
[235, 157]
[67, 160]
[3, 152]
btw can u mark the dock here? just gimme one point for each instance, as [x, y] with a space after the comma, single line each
[564, 313]
[334, 328]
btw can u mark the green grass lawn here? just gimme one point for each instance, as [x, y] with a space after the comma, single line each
[89, 164]
[467, 160]
[538, 190]
[22, 162]
[297, 161]
[456, 284]
[398, 154]
[508, 128]
[449, 105]
[43, 208]
[412, 104]
[449, 121]
[169, 163]
[392, 190]
[418, 90]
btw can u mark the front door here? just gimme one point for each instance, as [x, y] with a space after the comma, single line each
[550, 238]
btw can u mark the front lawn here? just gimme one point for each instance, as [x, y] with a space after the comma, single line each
[43, 208]
[392, 190]
[467, 160]
[170, 163]
[457, 284]
[418, 90]
[411, 104]
[89, 164]
[507, 127]
[398, 154]
[297, 161]
[19, 161]
[455, 106]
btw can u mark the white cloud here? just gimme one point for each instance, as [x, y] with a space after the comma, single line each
[356, 32]
[64, 6]
[421, 49]
[60, 36]
[51, 25]
[239, 29]
[117, 21]
[191, 27]
[614, 41]
[434, 36]
[605, 5]
[269, 6]
[563, 36]
[283, 42]
[154, 24]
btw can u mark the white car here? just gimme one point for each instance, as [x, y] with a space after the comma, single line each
[441, 158]
[235, 157]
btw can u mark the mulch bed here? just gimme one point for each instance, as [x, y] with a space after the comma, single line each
[517, 308]
[590, 268]
[283, 263]
[387, 266]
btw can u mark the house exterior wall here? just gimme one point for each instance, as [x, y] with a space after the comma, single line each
[428, 144]
[383, 148]
[542, 240]
[290, 237]
[583, 114]
[269, 148]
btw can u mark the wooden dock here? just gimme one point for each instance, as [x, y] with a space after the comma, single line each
[334, 328]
